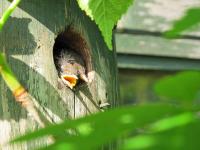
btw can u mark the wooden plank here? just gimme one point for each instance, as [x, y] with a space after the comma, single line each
[157, 46]
[28, 39]
[155, 15]
[142, 26]
[156, 63]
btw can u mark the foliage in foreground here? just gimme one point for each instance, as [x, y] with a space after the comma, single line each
[105, 13]
[151, 126]
[191, 19]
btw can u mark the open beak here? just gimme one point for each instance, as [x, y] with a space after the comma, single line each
[69, 80]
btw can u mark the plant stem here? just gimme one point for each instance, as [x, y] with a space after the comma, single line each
[19, 92]
[8, 75]
[8, 12]
[22, 96]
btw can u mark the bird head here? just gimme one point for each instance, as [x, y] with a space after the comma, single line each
[72, 68]
[69, 80]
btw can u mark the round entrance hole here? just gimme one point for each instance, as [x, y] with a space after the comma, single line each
[72, 57]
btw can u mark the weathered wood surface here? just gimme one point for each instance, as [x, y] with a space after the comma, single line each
[28, 39]
[157, 63]
[146, 20]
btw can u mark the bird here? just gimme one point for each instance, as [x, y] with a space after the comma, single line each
[71, 68]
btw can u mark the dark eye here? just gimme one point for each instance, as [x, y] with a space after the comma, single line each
[71, 61]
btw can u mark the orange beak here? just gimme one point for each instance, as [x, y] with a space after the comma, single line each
[69, 80]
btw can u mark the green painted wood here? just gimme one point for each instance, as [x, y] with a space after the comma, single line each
[28, 39]
[146, 20]
[156, 63]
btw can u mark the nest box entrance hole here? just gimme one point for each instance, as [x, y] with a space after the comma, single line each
[71, 41]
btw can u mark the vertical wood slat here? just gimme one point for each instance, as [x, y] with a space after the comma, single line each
[28, 38]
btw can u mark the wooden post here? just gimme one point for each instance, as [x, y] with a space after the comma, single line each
[28, 39]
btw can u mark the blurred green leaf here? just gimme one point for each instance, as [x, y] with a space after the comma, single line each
[139, 142]
[95, 130]
[184, 137]
[105, 13]
[191, 18]
[173, 122]
[183, 86]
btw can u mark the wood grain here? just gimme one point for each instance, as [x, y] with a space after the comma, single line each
[28, 38]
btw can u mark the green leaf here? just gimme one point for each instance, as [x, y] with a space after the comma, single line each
[183, 86]
[173, 122]
[191, 18]
[96, 130]
[183, 137]
[105, 13]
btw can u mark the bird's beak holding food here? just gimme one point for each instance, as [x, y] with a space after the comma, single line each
[69, 80]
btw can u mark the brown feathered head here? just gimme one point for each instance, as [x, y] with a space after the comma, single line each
[71, 68]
